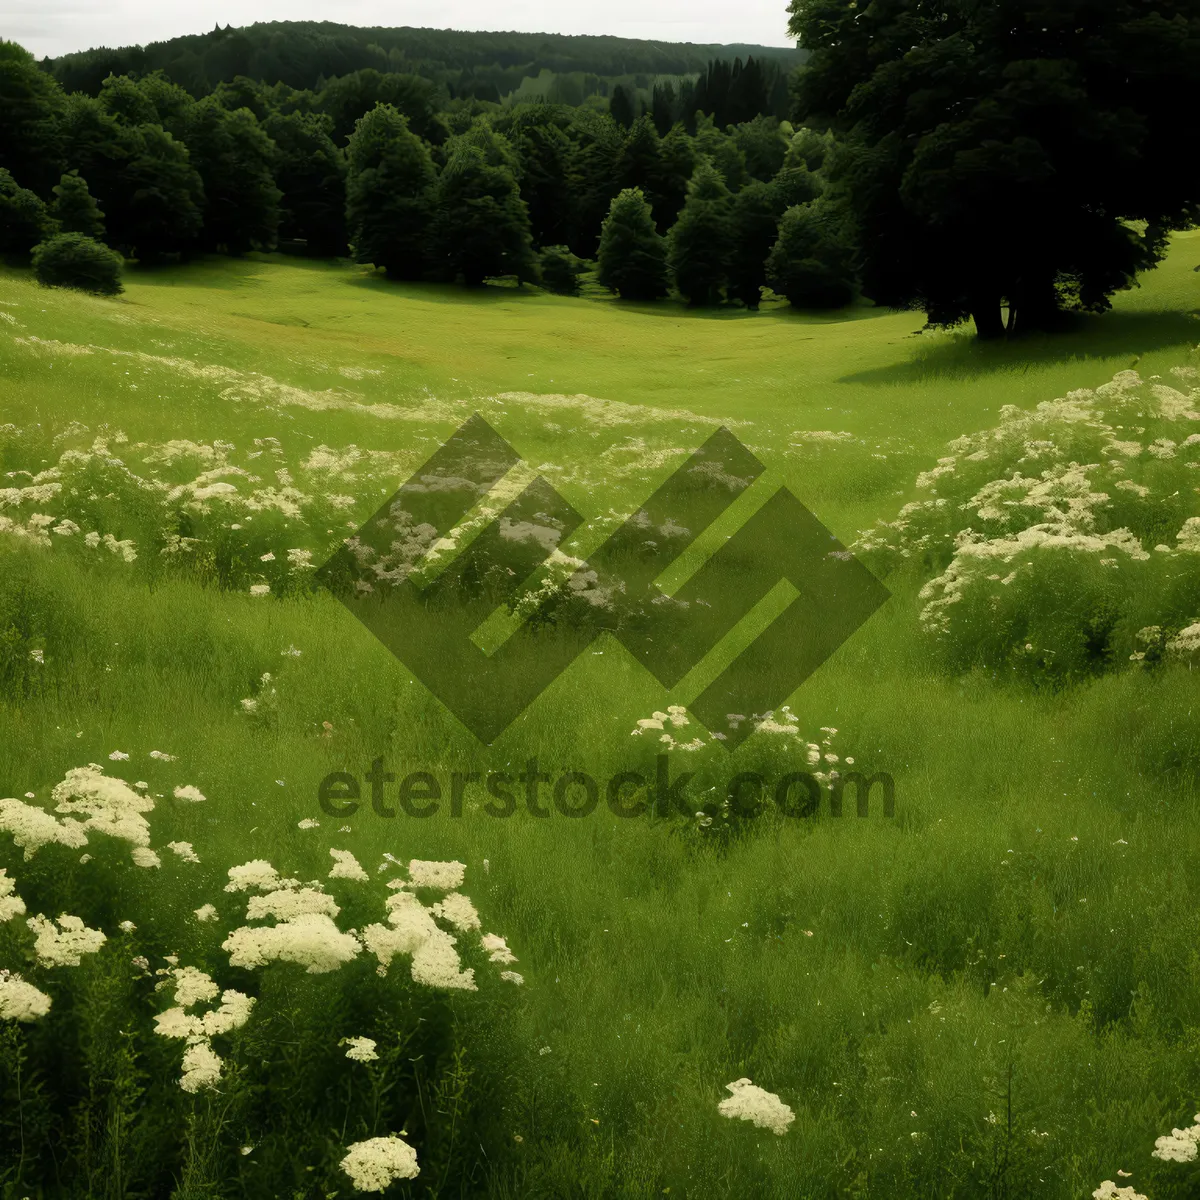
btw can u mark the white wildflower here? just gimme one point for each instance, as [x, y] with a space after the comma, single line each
[64, 946]
[201, 1068]
[458, 911]
[346, 866]
[288, 903]
[11, 905]
[162, 757]
[362, 1049]
[375, 1164]
[750, 1103]
[260, 589]
[1180, 1145]
[189, 793]
[443, 876]
[256, 874]
[311, 940]
[497, 948]
[21, 1001]
[206, 912]
[512, 977]
[184, 850]
[307, 823]
[127, 927]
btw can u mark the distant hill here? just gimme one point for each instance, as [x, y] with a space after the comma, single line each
[303, 54]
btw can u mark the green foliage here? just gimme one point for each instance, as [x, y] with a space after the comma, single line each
[795, 185]
[74, 260]
[234, 158]
[632, 258]
[141, 176]
[726, 155]
[75, 210]
[763, 146]
[754, 227]
[482, 224]
[310, 173]
[621, 107]
[597, 143]
[539, 136]
[389, 194]
[560, 270]
[1013, 119]
[700, 244]
[811, 263]
[30, 102]
[348, 97]
[24, 220]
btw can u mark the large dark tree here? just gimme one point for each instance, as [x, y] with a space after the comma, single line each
[538, 133]
[141, 176]
[235, 159]
[389, 194]
[754, 226]
[482, 224]
[700, 242]
[632, 257]
[597, 141]
[812, 261]
[24, 220]
[998, 153]
[349, 97]
[310, 171]
[29, 102]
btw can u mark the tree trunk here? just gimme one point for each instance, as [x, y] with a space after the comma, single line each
[985, 312]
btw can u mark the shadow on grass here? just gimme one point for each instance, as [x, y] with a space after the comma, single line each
[1107, 336]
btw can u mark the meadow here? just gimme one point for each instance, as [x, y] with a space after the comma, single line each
[992, 993]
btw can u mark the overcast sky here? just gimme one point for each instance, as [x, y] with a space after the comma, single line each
[53, 27]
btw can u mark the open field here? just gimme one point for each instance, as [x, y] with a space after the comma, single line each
[994, 993]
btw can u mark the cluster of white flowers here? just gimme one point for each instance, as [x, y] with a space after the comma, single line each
[21, 1001]
[375, 1164]
[1084, 475]
[201, 1063]
[1109, 1190]
[346, 866]
[111, 807]
[32, 827]
[750, 1103]
[64, 945]
[362, 1049]
[11, 905]
[1180, 1145]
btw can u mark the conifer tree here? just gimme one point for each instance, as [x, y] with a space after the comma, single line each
[75, 209]
[699, 244]
[633, 255]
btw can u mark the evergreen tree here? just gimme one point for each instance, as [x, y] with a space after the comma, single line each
[677, 161]
[754, 227]
[235, 159]
[811, 262]
[30, 102]
[24, 221]
[763, 146]
[482, 224]
[75, 210]
[633, 255]
[621, 106]
[538, 134]
[311, 174]
[725, 153]
[141, 177]
[560, 270]
[700, 242]
[389, 194]
[597, 141]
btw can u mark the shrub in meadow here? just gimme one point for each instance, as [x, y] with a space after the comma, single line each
[74, 260]
[561, 270]
[1065, 541]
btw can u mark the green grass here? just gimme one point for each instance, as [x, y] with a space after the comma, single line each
[883, 977]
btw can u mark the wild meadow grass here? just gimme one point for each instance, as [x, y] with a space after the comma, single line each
[992, 993]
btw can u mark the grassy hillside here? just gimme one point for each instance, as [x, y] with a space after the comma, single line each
[993, 993]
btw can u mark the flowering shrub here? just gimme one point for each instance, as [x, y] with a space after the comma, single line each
[146, 1033]
[1066, 540]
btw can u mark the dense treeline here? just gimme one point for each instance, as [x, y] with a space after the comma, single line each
[377, 165]
[305, 54]
[963, 159]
